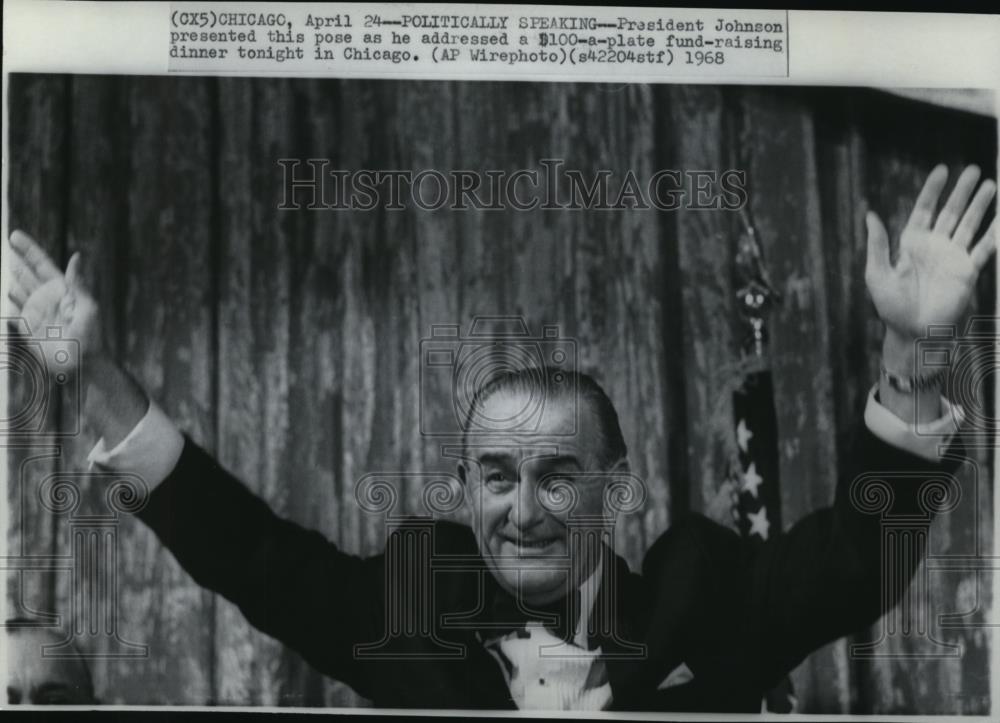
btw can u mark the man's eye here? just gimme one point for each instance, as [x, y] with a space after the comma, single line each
[498, 481]
[558, 493]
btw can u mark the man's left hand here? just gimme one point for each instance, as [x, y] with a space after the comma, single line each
[937, 265]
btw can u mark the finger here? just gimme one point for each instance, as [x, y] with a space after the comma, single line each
[23, 274]
[923, 210]
[953, 209]
[16, 301]
[73, 271]
[982, 251]
[974, 214]
[33, 255]
[16, 293]
[31, 319]
[877, 261]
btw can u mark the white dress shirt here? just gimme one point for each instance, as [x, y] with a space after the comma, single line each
[544, 672]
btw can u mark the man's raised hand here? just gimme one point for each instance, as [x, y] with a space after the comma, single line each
[937, 265]
[45, 298]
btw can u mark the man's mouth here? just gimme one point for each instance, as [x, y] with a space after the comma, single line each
[532, 545]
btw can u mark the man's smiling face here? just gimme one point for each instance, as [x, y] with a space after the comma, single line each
[517, 489]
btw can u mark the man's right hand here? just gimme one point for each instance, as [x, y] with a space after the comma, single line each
[46, 298]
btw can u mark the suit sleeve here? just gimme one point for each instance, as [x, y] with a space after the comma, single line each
[823, 579]
[289, 582]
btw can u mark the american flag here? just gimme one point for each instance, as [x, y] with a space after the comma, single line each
[758, 508]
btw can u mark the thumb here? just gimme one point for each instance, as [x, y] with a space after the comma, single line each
[877, 262]
[73, 277]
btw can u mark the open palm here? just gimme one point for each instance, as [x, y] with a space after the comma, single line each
[46, 299]
[935, 271]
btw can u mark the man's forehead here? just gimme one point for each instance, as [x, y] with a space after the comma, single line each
[547, 416]
[561, 429]
[549, 449]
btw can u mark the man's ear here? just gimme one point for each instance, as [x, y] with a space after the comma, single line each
[621, 466]
[621, 473]
[620, 469]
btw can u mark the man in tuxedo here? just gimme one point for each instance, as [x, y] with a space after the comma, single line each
[530, 608]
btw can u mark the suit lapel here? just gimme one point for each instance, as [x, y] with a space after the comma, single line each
[640, 651]
[615, 624]
[463, 598]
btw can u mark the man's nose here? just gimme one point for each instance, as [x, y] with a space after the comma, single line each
[527, 510]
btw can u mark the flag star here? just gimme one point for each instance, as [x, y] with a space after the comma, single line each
[743, 435]
[752, 480]
[759, 523]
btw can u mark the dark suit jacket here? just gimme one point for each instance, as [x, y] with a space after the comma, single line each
[739, 616]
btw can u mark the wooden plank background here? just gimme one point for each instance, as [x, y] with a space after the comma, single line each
[287, 342]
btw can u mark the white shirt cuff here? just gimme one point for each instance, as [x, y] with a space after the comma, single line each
[150, 450]
[928, 440]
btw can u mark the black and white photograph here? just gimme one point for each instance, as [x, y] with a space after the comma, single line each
[499, 395]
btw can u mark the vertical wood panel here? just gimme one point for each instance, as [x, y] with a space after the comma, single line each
[619, 274]
[167, 343]
[98, 228]
[784, 198]
[855, 330]
[254, 326]
[406, 265]
[705, 248]
[312, 464]
[37, 177]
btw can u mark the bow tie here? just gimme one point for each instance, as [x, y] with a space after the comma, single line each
[559, 617]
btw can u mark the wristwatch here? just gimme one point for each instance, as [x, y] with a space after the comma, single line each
[910, 384]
